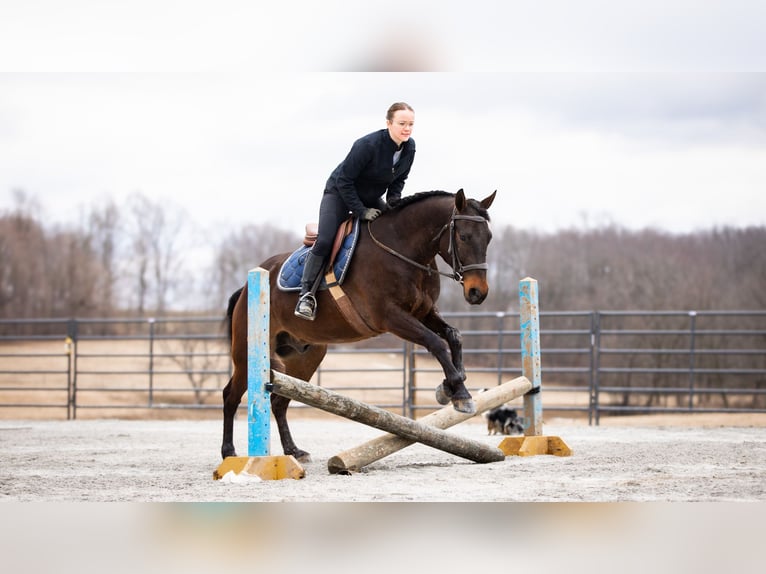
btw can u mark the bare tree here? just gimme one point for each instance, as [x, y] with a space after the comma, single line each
[155, 251]
[22, 260]
[243, 249]
[103, 231]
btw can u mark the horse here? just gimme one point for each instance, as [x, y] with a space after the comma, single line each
[393, 283]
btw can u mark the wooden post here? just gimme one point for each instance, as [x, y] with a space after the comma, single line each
[259, 462]
[530, 355]
[349, 408]
[258, 363]
[354, 459]
[533, 442]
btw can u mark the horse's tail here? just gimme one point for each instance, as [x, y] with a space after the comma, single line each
[230, 310]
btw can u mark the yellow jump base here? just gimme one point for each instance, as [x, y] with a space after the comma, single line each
[264, 467]
[532, 445]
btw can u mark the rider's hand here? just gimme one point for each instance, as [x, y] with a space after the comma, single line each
[370, 213]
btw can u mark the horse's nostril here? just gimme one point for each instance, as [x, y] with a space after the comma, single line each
[475, 295]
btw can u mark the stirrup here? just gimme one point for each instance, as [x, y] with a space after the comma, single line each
[306, 307]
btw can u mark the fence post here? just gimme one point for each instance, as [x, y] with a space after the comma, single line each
[592, 383]
[597, 371]
[151, 321]
[409, 350]
[406, 391]
[692, 344]
[500, 357]
[530, 355]
[71, 351]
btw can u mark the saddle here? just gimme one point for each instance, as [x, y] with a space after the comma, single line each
[340, 256]
[312, 232]
[343, 248]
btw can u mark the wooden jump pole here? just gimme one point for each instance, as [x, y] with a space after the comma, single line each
[369, 415]
[354, 459]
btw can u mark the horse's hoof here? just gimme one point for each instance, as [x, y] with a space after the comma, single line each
[302, 456]
[466, 406]
[226, 452]
[441, 395]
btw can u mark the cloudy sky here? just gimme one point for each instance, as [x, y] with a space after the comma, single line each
[186, 106]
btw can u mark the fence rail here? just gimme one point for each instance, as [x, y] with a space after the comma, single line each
[595, 363]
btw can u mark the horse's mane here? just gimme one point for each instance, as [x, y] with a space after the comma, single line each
[415, 197]
[420, 196]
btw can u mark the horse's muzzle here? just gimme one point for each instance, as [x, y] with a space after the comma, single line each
[475, 291]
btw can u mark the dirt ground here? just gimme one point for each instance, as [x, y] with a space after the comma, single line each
[170, 455]
[681, 458]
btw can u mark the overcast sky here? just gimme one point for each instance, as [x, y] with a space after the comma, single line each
[186, 106]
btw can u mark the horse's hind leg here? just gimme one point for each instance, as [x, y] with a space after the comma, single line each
[233, 391]
[232, 396]
[301, 366]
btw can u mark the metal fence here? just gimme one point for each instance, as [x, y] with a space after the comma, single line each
[595, 363]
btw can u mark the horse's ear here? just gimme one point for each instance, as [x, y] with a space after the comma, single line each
[460, 199]
[487, 201]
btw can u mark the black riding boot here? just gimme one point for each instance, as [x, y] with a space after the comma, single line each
[307, 303]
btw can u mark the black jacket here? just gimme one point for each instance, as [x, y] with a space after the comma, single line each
[368, 172]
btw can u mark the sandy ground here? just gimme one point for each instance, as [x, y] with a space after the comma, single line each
[173, 460]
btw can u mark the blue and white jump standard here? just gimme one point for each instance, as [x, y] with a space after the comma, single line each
[259, 461]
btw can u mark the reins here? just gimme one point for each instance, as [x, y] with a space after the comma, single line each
[457, 267]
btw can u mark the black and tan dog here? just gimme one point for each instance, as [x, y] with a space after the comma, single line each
[503, 420]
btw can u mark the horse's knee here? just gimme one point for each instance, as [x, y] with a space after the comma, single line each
[454, 336]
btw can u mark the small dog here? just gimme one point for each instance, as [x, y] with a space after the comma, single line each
[503, 420]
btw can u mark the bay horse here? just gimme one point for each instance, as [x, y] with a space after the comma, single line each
[393, 283]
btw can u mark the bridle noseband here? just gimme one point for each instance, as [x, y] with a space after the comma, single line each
[457, 266]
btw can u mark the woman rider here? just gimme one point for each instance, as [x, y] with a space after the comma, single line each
[377, 164]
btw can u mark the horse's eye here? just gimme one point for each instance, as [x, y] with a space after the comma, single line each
[464, 237]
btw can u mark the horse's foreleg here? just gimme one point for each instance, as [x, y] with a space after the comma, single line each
[444, 349]
[446, 392]
[454, 339]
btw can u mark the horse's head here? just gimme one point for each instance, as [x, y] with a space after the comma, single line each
[469, 237]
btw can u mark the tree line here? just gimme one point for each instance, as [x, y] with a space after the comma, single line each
[142, 257]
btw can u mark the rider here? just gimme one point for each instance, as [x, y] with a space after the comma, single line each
[377, 164]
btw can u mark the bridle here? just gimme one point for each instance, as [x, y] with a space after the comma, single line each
[458, 269]
[457, 266]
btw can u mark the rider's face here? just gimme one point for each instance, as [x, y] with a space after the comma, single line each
[400, 128]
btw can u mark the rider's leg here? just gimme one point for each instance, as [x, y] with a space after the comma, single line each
[306, 307]
[332, 212]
